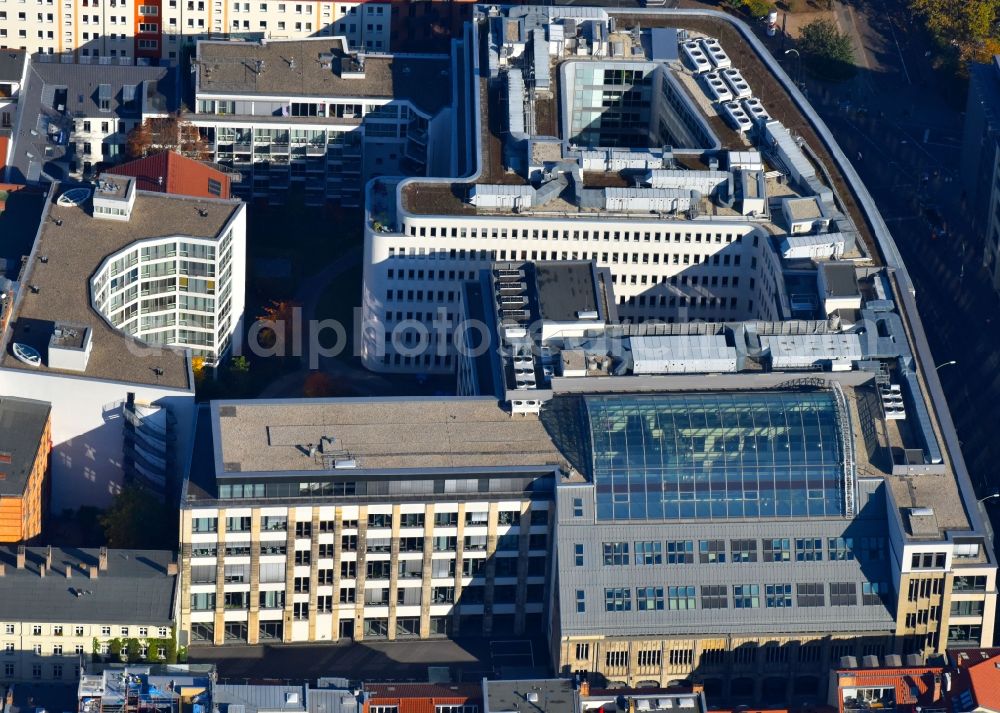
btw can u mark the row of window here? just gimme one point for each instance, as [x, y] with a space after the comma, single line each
[809, 549]
[374, 596]
[274, 572]
[743, 596]
[578, 235]
[273, 523]
[60, 630]
[55, 671]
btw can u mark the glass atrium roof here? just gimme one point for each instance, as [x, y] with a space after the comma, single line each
[722, 455]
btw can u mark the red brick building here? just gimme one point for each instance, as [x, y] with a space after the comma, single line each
[169, 172]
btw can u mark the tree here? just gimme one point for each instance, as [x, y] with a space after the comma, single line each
[279, 315]
[137, 519]
[758, 8]
[826, 51]
[318, 385]
[169, 133]
[967, 26]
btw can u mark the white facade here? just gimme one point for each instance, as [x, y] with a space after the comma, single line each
[712, 269]
[87, 430]
[199, 282]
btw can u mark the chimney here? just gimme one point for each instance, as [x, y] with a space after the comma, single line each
[584, 688]
[48, 556]
[41, 569]
[172, 569]
[697, 688]
[69, 571]
[936, 693]
[3, 569]
[102, 559]
[20, 556]
[93, 571]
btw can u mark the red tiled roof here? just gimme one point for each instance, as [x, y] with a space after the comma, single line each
[978, 673]
[421, 697]
[169, 172]
[912, 685]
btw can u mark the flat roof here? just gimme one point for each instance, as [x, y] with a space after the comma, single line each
[294, 68]
[550, 695]
[134, 589]
[840, 279]
[22, 424]
[565, 288]
[74, 244]
[12, 64]
[272, 436]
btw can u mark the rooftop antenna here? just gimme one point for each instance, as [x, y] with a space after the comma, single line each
[157, 372]
[203, 213]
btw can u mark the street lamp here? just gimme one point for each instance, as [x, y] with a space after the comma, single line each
[990, 497]
[947, 363]
[798, 62]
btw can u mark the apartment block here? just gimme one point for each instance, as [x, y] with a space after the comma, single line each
[613, 150]
[119, 284]
[366, 519]
[25, 443]
[315, 118]
[76, 117]
[61, 603]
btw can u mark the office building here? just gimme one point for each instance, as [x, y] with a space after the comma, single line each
[170, 172]
[119, 284]
[612, 150]
[310, 116]
[72, 117]
[368, 519]
[63, 605]
[25, 442]
[980, 165]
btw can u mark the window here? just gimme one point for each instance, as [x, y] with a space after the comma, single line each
[649, 598]
[712, 551]
[680, 552]
[973, 608]
[965, 634]
[106, 630]
[843, 594]
[615, 553]
[809, 549]
[777, 550]
[618, 599]
[581, 601]
[746, 596]
[300, 610]
[681, 597]
[8, 628]
[214, 187]
[648, 658]
[616, 659]
[743, 550]
[873, 548]
[582, 652]
[36, 670]
[577, 507]
[578, 555]
[841, 548]
[57, 650]
[873, 592]
[928, 560]
[36, 630]
[778, 595]
[969, 584]
[648, 553]
[714, 596]
[810, 595]
[57, 630]
[78, 631]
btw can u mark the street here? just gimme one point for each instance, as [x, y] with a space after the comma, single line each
[901, 122]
